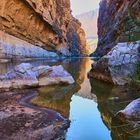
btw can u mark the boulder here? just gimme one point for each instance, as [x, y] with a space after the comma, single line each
[119, 65]
[131, 112]
[27, 76]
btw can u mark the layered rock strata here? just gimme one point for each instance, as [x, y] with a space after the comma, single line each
[47, 24]
[12, 47]
[119, 35]
[119, 21]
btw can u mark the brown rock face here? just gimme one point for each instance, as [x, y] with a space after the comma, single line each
[119, 21]
[119, 41]
[44, 23]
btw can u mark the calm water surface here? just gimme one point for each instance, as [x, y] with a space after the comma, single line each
[89, 104]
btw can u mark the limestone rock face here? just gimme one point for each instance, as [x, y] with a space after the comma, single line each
[44, 23]
[119, 65]
[12, 47]
[119, 21]
[25, 76]
[131, 112]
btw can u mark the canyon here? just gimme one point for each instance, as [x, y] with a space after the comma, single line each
[45, 24]
[119, 42]
[60, 93]
[89, 21]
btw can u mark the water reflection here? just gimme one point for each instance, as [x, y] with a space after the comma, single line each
[56, 97]
[75, 102]
[59, 97]
[89, 104]
[110, 100]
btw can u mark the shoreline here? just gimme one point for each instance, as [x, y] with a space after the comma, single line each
[20, 119]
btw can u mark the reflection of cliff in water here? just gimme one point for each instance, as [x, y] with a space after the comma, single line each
[85, 90]
[59, 97]
[7, 66]
[110, 100]
[56, 97]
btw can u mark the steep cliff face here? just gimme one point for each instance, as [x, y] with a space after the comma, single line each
[44, 23]
[119, 41]
[119, 21]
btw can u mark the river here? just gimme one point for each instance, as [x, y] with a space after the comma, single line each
[90, 105]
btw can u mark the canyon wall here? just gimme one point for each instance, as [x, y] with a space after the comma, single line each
[44, 23]
[119, 21]
[119, 42]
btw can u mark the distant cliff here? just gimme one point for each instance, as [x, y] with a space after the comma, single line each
[89, 23]
[47, 24]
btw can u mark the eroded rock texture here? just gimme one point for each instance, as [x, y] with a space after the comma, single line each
[44, 23]
[119, 65]
[27, 76]
[28, 123]
[119, 21]
[119, 35]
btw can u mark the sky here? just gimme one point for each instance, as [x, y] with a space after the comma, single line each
[81, 6]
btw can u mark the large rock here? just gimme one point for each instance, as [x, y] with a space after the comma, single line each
[119, 21]
[119, 35]
[131, 112]
[119, 65]
[25, 76]
[12, 47]
[48, 24]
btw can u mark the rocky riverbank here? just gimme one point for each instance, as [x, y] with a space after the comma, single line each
[20, 120]
[119, 65]
[131, 112]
